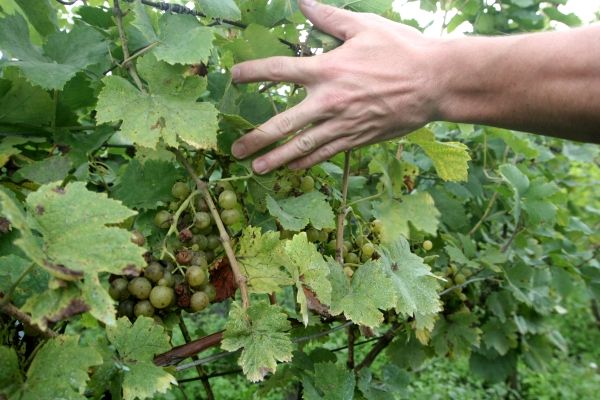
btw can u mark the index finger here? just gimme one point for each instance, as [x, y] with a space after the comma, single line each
[275, 69]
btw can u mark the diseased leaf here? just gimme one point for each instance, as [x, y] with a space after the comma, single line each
[60, 370]
[48, 170]
[157, 176]
[11, 268]
[261, 333]
[416, 287]
[183, 40]
[450, 159]
[136, 346]
[361, 299]
[294, 213]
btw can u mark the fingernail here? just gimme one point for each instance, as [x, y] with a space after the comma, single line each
[259, 166]
[308, 3]
[235, 73]
[238, 150]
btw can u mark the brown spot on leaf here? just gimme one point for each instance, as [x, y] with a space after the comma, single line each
[314, 304]
[62, 272]
[159, 124]
[75, 307]
[4, 225]
[39, 209]
[221, 276]
[394, 267]
[59, 190]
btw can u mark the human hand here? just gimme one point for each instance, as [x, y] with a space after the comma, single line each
[378, 85]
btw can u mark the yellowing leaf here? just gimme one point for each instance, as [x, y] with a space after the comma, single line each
[450, 159]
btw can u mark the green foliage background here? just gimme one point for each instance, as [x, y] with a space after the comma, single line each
[503, 306]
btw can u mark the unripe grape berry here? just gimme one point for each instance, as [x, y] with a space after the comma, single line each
[125, 309]
[140, 287]
[213, 242]
[163, 219]
[323, 236]
[173, 206]
[210, 255]
[196, 276]
[202, 220]
[180, 190]
[427, 245]
[224, 185]
[313, 235]
[199, 259]
[199, 301]
[118, 289]
[377, 226]
[138, 238]
[348, 271]
[295, 181]
[167, 280]
[201, 204]
[201, 241]
[162, 296]
[231, 217]
[143, 308]
[307, 184]
[459, 279]
[154, 271]
[361, 240]
[462, 296]
[352, 258]
[368, 249]
[227, 199]
[210, 291]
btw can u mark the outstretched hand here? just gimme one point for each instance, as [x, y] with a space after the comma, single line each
[375, 86]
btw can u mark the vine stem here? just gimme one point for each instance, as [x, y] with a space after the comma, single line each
[343, 211]
[381, 344]
[485, 214]
[124, 43]
[26, 320]
[201, 372]
[240, 279]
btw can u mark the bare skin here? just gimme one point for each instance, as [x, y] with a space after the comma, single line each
[387, 80]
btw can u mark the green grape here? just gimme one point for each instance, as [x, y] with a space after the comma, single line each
[125, 309]
[460, 278]
[231, 217]
[462, 296]
[196, 276]
[154, 271]
[199, 301]
[173, 206]
[368, 249]
[195, 247]
[163, 219]
[210, 291]
[201, 204]
[118, 289]
[200, 259]
[138, 238]
[313, 235]
[224, 185]
[210, 256]
[377, 226]
[360, 240]
[202, 220]
[143, 308]
[323, 236]
[348, 271]
[167, 280]
[295, 181]
[180, 190]
[307, 184]
[227, 199]
[201, 241]
[427, 245]
[162, 296]
[140, 287]
[352, 258]
[213, 242]
[332, 245]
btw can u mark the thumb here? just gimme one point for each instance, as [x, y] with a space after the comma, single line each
[338, 22]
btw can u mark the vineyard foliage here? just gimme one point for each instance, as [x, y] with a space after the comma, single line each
[124, 219]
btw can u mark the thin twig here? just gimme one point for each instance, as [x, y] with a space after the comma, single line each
[240, 279]
[462, 285]
[26, 320]
[381, 344]
[124, 43]
[351, 340]
[342, 211]
[485, 214]
[199, 368]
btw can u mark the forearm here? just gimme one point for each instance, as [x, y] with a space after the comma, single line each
[546, 83]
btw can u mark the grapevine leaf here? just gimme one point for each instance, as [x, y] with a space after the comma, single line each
[418, 209]
[330, 382]
[147, 118]
[136, 346]
[457, 334]
[416, 286]
[41, 15]
[100, 304]
[11, 268]
[295, 213]
[260, 259]
[48, 170]
[183, 40]
[261, 333]
[307, 267]
[22, 104]
[142, 22]
[257, 42]
[10, 374]
[60, 370]
[76, 215]
[158, 177]
[500, 336]
[360, 301]
[54, 305]
[516, 141]
[8, 148]
[450, 159]
[65, 53]
[220, 9]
